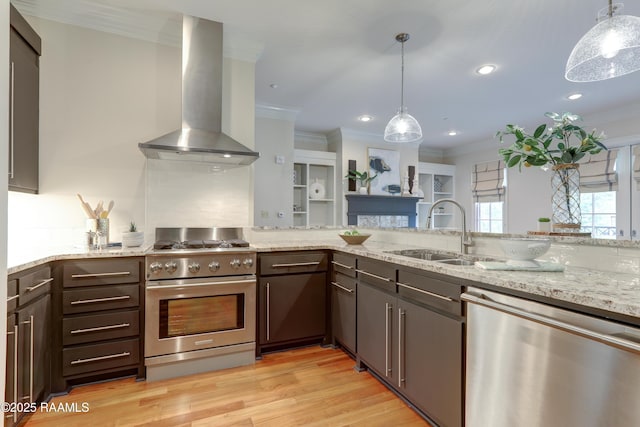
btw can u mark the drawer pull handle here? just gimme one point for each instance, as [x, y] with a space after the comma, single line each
[342, 287]
[12, 298]
[375, 276]
[110, 274]
[42, 283]
[90, 301]
[422, 291]
[295, 264]
[100, 328]
[99, 358]
[348, 267]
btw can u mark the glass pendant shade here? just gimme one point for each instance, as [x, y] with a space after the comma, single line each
[610, 49]
[402, 127]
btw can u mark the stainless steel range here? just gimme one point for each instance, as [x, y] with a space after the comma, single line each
[200, 303]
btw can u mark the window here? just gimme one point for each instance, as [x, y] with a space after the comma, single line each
[599, 214]
[489, 217]
[488, 185]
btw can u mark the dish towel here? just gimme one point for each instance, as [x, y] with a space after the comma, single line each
[544, 266]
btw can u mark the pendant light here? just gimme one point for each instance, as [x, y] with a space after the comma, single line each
[610, 49]
[402, 127]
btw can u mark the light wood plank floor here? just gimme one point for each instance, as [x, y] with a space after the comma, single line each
[312, 386]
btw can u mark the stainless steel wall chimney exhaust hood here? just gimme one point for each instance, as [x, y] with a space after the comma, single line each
[201, 138]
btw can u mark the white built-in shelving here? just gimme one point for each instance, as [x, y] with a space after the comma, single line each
[437, 181]
[314, 195]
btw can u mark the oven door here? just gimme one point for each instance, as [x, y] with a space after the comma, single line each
[194, 314]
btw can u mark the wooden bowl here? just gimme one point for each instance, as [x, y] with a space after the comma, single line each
[358, 239]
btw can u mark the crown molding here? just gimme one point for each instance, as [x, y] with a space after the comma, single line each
[310, 137]
[148, 25]
[277, 113]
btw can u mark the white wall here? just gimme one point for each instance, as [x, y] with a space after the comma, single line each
[4, 150]
[101, 94]
[273, 184]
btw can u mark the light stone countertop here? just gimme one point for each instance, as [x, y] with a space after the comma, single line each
[615, 292]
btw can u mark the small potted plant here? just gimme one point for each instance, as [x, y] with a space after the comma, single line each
[363, 178]
[544, 224]
[133, 237]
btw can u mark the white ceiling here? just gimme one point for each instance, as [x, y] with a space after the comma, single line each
[334, 60]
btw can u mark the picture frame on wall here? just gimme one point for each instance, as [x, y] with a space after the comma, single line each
[385, 164]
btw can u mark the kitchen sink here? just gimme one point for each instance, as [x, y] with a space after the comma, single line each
[426, 254]
[450, 258]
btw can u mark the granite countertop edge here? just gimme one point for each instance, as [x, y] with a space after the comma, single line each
[614, 292]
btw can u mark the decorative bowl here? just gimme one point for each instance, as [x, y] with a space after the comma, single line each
[521, 252]
[357, 239]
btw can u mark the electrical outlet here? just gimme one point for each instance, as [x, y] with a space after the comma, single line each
[264, 214]
[280, 214]
[279, 160]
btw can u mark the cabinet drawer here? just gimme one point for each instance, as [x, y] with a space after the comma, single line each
[345, 264]
[100, 272]
[12, 295]
[377, 273]
[32, 285]
[343, 283]
[102, 298]
[96, 357]
[293, 262]
[99, 327]
[431, 289]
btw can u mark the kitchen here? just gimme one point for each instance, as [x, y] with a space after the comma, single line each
[98, 156]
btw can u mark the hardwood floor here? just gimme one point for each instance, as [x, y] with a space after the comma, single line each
[312, 386]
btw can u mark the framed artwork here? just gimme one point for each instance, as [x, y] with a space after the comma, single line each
[385, 164]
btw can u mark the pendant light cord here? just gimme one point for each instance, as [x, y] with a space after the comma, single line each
[402, 76]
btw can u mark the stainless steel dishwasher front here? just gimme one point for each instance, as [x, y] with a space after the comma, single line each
[530, 364]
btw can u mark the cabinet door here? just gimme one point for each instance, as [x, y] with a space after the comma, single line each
[293, 307]
[375, 330]
[24, 108]
[343, 310]
[33, 321]
[430, 362]
[10, 386]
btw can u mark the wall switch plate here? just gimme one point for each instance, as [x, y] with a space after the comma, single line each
[279, 160]
[281, 214]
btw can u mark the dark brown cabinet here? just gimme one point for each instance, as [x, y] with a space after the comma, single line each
[28, 362]
[101, 319]
[292, 299]
[24, 99]
[343, 301]
[410, 332]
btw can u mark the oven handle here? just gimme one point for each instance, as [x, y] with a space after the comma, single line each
[189, 285]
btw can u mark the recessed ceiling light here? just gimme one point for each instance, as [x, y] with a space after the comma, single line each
[365, 118]
[486, 69]
[226, 156]
[452, 133]
[574, 96]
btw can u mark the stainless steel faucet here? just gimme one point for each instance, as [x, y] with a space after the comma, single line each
[465, 241]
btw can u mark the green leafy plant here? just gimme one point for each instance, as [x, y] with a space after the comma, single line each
[539, 149]
[362, 177]
[544, 219]
[132, 227]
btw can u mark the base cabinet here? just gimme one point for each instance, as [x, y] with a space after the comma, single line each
[410, 333]
[292, 297]
[343, 291]
[28, 361]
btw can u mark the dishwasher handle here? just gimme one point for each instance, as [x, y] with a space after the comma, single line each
[553, 323]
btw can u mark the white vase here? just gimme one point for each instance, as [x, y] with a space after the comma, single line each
[544, 226]
[364, 190]
[132, 239]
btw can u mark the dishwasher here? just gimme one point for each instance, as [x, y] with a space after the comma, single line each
[531, 364]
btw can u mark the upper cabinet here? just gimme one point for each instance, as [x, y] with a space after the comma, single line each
[314, 196]
[437, 181]
[24, 98]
